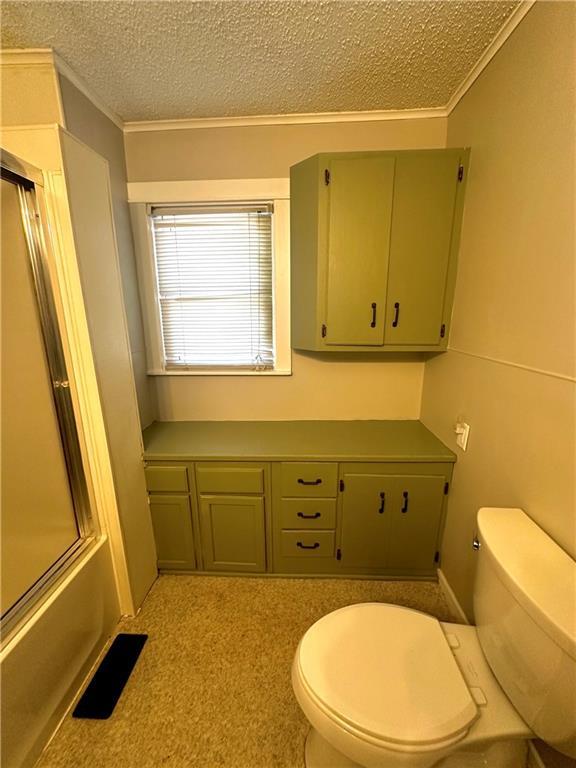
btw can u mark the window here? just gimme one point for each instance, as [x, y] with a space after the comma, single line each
[214, 281]
[214, 276]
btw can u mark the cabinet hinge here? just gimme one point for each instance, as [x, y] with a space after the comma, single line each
[341, 485]
[437, 557]
[442, 331]
[338, 554]
[446, 488]
[323, 331]
[460, 173]
[326, 176]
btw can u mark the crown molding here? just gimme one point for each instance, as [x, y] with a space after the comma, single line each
[505, 31]
[304, 118]
[66, 71]
[11, 57]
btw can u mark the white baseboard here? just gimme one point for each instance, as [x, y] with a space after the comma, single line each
[451, 598]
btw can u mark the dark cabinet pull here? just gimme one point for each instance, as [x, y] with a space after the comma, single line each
[307, 546]
[382, 502]
[396, 314]
[373, 323]
[405, 505]
[313, 516]
[318, 481]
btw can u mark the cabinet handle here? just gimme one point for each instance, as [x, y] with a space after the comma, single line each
[373, 323]
[307, 546]
[318, 481]
[396, 314]
[382, 502]
[313, 516]
[405, 505]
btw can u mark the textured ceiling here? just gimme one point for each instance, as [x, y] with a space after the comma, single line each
[168, 59]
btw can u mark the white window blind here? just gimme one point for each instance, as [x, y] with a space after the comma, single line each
[214, 277]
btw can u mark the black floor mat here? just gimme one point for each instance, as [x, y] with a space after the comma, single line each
[103, 691]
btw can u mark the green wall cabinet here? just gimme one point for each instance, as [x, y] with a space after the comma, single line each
[374, 243]
[233, 533]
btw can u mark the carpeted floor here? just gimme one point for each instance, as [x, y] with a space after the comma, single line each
[212, 686]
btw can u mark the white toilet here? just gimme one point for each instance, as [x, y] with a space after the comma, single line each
[390, 687]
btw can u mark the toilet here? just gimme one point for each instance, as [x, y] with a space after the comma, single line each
[389, 687]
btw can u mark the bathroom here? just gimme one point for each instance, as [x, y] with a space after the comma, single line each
[506, 91]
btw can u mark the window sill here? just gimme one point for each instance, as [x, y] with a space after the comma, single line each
[224, 372]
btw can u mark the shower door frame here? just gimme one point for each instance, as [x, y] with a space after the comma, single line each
[30, 184]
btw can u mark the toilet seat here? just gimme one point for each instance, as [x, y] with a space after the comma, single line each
[387, 674]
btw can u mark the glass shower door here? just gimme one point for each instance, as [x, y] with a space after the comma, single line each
[43, 493]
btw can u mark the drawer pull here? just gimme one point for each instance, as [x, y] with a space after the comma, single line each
[405, 505]
[396, 314]
[308, 546]
[313, 516]
[382, 502]
[318, 481]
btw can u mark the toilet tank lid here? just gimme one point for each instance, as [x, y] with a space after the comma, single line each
[537, 571]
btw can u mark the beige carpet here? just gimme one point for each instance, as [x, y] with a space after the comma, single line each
[212, 686]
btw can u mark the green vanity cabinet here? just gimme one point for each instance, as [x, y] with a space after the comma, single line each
[295, 498]
[391, 516]
[172, 515]
[233, 533]
[172, 524]
[374, 243]
[232, 512]
[304, 501]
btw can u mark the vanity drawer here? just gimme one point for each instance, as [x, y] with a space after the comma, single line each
[307, 543]
[218, 479]
[308, 479]
[162, 479]
[307, 513]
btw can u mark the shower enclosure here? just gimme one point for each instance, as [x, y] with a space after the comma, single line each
[45, 513]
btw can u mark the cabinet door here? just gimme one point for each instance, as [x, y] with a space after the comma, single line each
[425, 188]
[233, 533]
[365, 519]
[172, 524]
[360, 209]
[414, 519]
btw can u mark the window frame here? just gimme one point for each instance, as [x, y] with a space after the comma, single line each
[144, 196]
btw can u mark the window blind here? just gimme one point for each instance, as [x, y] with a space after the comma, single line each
[214, 277]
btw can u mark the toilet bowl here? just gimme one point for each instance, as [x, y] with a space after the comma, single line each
[385, 686]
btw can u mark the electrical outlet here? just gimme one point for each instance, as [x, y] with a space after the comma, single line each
[462, 432]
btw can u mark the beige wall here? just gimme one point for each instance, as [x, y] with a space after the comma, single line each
[510, 371]
[321, 387]
[318, 389]
[265, 151]
[95, 129]
[29, 94]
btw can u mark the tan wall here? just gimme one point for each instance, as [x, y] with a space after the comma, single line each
[265, 151]
[318, 389]
[29, 94]
[95, 129]
[320, 386]
[510, 371]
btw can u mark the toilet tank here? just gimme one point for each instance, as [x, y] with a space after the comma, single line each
[525, 611]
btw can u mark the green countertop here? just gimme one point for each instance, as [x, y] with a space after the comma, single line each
[293, 441]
